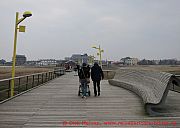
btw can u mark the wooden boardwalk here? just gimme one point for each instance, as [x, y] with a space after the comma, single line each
[56, 104]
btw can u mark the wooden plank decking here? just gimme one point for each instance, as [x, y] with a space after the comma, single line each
[56, 104]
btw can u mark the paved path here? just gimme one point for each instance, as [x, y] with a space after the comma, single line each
[56, 104]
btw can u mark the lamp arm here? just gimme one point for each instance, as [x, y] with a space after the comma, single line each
[20, 20]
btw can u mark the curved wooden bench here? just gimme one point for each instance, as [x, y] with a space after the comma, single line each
[108, 74]
[151, 86]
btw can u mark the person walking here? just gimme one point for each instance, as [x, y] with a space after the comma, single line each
[96, 76]
[84, 75]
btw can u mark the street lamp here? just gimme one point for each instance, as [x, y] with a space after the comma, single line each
[91, 59]
[99, 53]
[21, 29]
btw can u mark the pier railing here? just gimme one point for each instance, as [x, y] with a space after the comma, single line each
[26, 82]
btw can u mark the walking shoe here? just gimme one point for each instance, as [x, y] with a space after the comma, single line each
[95, 94]
[84, 97]
[99, 94]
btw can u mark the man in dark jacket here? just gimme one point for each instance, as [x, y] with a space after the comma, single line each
[96, 76]
[84, 73]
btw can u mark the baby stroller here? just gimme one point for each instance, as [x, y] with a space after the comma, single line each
[80, 90]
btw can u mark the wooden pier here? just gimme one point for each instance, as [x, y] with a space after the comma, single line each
[57, 104]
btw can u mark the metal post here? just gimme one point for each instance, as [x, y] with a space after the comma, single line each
[38, 80]
[55, 75]
[14, 55]
[42, 77]
[48, 76]
[9, 88]
[27, 83]
[19, 84]
[100, 56]
[33, 82]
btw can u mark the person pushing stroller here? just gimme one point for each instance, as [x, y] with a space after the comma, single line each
[84, 75]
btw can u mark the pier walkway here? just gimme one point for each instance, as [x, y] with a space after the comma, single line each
[57, 104]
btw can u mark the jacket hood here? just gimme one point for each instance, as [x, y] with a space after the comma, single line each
[84, 64]
[96, 64]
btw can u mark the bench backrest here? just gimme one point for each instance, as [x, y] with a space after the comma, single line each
[150, 85]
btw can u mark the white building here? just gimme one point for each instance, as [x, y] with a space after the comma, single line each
[131, 61]
[46, 62]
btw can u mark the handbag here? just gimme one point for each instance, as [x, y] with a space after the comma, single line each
[87, 79]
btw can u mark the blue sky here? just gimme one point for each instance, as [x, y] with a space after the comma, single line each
[58, 28]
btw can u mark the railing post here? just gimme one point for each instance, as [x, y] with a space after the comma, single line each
[42, 77]
[26, 83]
[33, 82]
[46, 78]
[38, 80]
[9, 86]
[55, 75]
[19, 82]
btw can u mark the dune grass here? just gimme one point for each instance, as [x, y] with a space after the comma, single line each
[174, 69]
[5, 72]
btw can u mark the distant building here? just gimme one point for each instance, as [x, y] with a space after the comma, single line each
[156, 62]
[67, 58]
[78, 58]
[31, 63]
[132, 61]
[85, 58]
[159, 62]
[178, 63]
[2, 62]
[20, 59]
[168, 62]
[147, 62]
[129, 61]
[61, 63]
[47, 62]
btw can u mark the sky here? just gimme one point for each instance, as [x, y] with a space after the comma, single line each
[59, 28]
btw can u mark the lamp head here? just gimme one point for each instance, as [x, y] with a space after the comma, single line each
[94, 47]
[27, 14]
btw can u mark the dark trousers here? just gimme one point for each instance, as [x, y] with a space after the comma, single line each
[96, 83]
